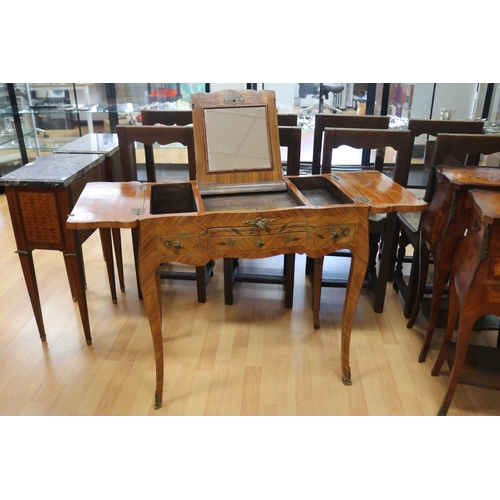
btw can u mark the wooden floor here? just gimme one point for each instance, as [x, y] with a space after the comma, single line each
[252, 358]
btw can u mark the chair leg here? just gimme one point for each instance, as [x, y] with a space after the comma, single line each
[135, 244]
[108, 256]
[230, 269]
[423, 267]
[316, 286]
[309, 267]
[289, 271]
[387, 261]
[117, 243]
[201, 284]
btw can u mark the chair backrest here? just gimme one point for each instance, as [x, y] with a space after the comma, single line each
[322, 121]
[185, 117]
[290, 134]
[148, 135]
[419, 127]
[167, 117]
[290, 138]
[399, 140]
[449, 147]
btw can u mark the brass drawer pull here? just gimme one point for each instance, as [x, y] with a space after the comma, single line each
[259, 243]
[346, 232]
[335, 235]
[178, 244]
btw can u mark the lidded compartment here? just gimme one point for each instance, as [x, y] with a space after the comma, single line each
[172, 198]
[319, 191]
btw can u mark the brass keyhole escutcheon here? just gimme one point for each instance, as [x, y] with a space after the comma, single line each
[345, 232]
[335, 235]
[259, 243]
[177, 244]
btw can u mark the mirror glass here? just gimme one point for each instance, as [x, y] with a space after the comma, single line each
[237, 139]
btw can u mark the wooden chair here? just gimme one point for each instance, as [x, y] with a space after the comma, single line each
[383, 230]
[322, 121]
[128, 135]
[290, 138]
[417, 179]
[448, 148]
[342, 121]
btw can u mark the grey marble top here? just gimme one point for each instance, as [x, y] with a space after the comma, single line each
[52, 170]
[106, 144]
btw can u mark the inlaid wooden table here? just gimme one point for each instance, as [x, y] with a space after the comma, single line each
[474, 292]
[108, 146]
[314, 215]
[443, 226]
[40, 196]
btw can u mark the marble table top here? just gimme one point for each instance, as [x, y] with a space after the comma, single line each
[106, 144]
[52, 170]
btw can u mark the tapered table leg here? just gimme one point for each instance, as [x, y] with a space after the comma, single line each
[28, 268]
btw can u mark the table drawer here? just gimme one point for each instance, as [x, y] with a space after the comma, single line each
[258, 242]
[338, 233]
[178, 244]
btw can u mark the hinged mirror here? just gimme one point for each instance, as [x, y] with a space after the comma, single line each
[237, 141]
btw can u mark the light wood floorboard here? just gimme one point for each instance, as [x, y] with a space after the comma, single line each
[252, 358]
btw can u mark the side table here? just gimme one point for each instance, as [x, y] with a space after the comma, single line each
[40, 196]
[474, 292]
[443, 226]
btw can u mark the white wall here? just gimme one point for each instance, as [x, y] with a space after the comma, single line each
[223, 86]
[458, 96]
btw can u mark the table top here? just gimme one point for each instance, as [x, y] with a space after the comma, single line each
[106, 144]
[465, 177]
[123, 204]
[487, 205]
[52, 170]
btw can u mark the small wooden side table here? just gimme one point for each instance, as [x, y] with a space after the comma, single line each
[474, 292]
[40, 196]
[443, 226]
[108, 146]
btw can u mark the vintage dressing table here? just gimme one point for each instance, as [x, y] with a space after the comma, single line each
[443, 226]
[474, 292]
[241, 206]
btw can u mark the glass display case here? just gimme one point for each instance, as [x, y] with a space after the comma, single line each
[11, 157]
[53, 114]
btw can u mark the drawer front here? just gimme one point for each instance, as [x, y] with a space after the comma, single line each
[337, 233]
[259, 242]
[178, 244]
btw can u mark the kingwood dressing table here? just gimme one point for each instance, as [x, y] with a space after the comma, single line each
[474, 292]
[443, 226]
[242, 207]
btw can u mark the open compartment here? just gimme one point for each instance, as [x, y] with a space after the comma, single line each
[172, 198]
[248, 201]
[319, 191]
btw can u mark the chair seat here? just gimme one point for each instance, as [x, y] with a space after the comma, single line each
[410, 219]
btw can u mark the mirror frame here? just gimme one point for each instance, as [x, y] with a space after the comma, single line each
[227, 99]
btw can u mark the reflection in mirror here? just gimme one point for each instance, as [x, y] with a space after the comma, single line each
[237, 139]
